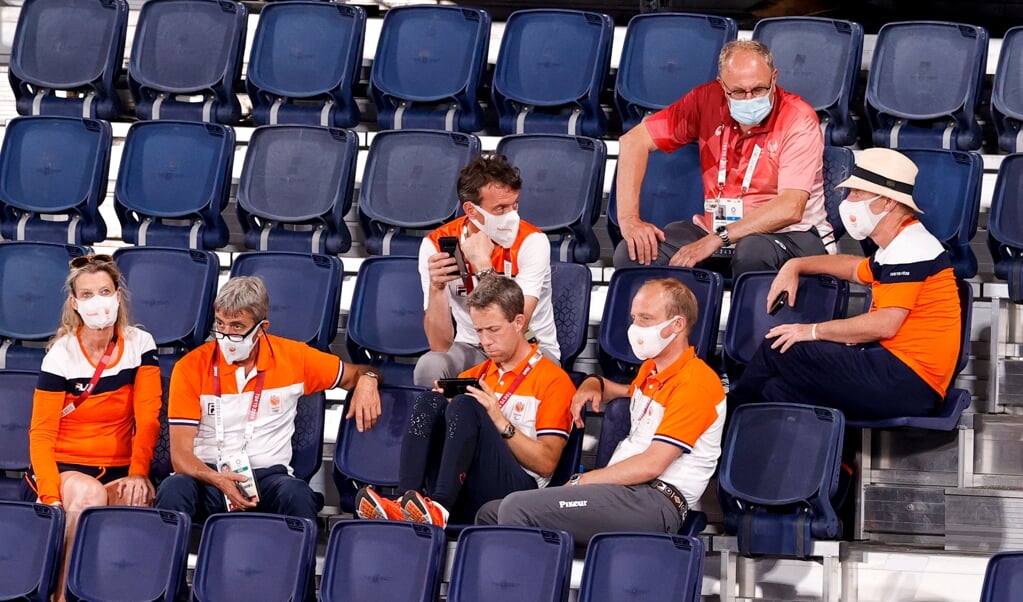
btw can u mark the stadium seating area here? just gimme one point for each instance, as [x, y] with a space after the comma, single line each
[314, 146]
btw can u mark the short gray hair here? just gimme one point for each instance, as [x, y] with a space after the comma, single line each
[243, 294]
[730, 49]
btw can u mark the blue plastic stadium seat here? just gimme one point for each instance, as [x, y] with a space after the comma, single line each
[1007, 93]
[570, 296]
[123, 553]
[818, 59]
[408, 187]
[75, 47]
[511, 564]
[386, 329]
[551, 70]
[562, 188]
[31, 546]
[246, 556]
[53, 177]
[1005, 225]
[16, 390]
[818, 299]
[173, 183]
[642, 567]
[188, 50]
[778, 476]
[31, 299]
[383, 560]
[666, 55]
[924, 85]
[305, 59]
[296, 187]
[428, 66]
[838, 164]
[1003, 579]
[615, 355]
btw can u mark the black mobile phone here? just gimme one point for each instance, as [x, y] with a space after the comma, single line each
[456, 386]
[779, 303]
[449, 245]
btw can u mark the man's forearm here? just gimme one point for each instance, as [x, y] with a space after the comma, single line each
[440, 333]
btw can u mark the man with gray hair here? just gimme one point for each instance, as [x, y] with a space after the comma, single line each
[233, 402]
[761, 156]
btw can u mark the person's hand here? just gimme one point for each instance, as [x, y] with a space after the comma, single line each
[588, 393]
[136, 490]
[695, 252]
[365, 404]
[786, 281]
[486, 398]
[641, 237]
[477, 249]
[441, 265]
[227, 483]
[786, 335]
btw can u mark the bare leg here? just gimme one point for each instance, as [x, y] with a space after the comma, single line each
[77, 491]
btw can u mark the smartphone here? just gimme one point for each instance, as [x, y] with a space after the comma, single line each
[456, 386]
[779, 303]
[449, 245]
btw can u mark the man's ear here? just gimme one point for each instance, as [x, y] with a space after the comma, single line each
[520, 323]
[470, 210]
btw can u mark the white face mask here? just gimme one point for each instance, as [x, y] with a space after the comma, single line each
[858, 219]
[502, 229]
[240, 351]
[647, 342]
[98, 312]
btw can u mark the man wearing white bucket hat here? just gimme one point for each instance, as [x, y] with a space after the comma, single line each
[897, 359]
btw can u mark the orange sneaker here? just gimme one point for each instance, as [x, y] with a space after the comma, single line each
[371, 505]
[418, 508]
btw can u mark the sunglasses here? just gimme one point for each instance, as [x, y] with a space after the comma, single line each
[84, 260]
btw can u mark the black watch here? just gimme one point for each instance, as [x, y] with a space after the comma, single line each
[508, 432]
[722, 233]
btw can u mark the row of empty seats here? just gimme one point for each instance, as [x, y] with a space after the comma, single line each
[551, 73]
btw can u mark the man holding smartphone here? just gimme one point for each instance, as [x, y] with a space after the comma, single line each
[505, 434]
[491, 239]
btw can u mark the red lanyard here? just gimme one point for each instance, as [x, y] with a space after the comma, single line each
[518, 379]
[218, 418]
[100, 367]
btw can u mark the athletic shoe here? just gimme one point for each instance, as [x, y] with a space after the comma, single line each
[418, 508]
[371, 505]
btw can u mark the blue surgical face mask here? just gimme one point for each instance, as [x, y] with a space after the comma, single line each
[750, 111]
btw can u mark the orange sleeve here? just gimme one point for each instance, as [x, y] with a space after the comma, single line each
[147, 397]
[691, 408]
[863, 271]
[42, 438]
[183, 407]
[901, 294]
[554, 415]
[322, 370]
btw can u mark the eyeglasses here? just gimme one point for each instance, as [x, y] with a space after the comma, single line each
[757, 92]
[84, 260]
[234, 338]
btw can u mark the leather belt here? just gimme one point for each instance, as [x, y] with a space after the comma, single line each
[673, 496]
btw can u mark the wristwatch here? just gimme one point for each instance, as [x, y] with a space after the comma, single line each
[574, 479]
[508, 432]
[722, 233]
[372, 375]
[484, 273]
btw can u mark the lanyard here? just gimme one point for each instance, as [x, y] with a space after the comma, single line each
[533, 360]
[723, 165]
[218, 418]
[100, 367]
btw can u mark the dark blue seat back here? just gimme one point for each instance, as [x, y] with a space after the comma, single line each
[188, 48]
[924, 85]
[1006, 103]
[307, 440]
[666, 55]
[570, 296]
[551, 70]
[73, 46]
[409, 183]
[571, 456]
[17, 388]
[562, 187]
[31, 298]
[235, 563]
[123, 553]
[1005, 225]
[296, 188]
[616, 358]
[31, 546]
[672, 190]
[528, 563]
[428, 66]
[385, 319]
[304, 61]
[642, 567]
[53, 177]
[838, 164]
[304, 290]
[1003, 579]
[173, 183]
[818, 299]
[818, 59]
[383, 560]
[779, 470]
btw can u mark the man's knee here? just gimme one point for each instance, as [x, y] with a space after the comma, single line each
[515, 509]
[84, 492]
[621, 256]
[433, 365]
[296, 498]
[487, 514]
[463, 408]
[757, 252]
[178, 492]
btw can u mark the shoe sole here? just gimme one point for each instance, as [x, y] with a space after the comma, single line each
[415, 511]
[367, 507]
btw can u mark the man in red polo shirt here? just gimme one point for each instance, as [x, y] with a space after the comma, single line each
[761, 153]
